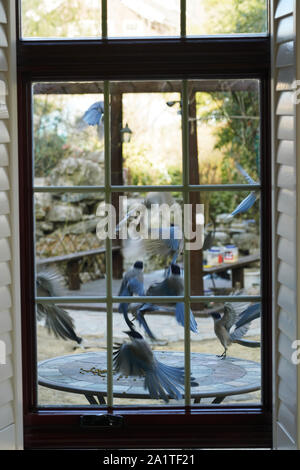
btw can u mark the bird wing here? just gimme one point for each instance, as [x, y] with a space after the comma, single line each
[136, 286]
[246, 204]
[126, 361]
[146, 307]
[123, 291]
[133, 358]
[230, 316]
[161, 380]
[168, 240]
[179, 314]
[49, 283]
[157, 247]
[58, 321]
[134, 248]
[94, 113]
[169, 379]
[142, 322]
[245, 174]
[238, 333]
[163, 288]
[249, 314]
[162, 385]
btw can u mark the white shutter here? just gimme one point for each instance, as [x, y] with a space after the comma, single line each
[286, 145]
[10, 338]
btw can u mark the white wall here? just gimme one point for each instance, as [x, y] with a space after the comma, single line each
[285, 17]
[11, 432]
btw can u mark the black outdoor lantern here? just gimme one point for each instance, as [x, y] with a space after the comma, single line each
[126, 134]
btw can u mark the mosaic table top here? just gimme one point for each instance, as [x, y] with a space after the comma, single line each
[86, 374]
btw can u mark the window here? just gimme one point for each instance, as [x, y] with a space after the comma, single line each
[172, 96]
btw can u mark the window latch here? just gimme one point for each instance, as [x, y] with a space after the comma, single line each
[101, 421]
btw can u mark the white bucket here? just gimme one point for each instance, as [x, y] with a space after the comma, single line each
[251, 278]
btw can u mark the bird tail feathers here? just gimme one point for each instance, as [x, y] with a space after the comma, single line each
[59, 322]
[179, 313]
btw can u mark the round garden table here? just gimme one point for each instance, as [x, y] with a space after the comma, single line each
[86, 374]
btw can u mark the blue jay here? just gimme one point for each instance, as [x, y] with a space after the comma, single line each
[135, 358]
[250, 314]
[232, 317]
[94, 117]
[132, 284]
[171, 286]
[57, 320]
[248, 202]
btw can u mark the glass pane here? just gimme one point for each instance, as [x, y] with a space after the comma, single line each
[235, 379]
[159, 333]
[209, 17]
[61, 18]
[224, 135]
[70, 256]
[146, 133]
[149, 230]
[230, 257]
[133, 18]
[67, 371]
[68, 132]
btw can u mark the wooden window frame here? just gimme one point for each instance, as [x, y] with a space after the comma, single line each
[137, 59]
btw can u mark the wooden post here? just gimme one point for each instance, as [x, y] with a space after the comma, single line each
[196, 261]
[117, 172]
[237, 278]
[73, 275]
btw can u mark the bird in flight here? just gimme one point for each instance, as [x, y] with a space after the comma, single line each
[57, 320]
[170, 286]
[135, 358]
[248, 202]
[94, 116]
[132, 284]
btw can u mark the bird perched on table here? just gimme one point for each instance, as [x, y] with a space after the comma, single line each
[57, 320]
[238, 316]
[248, 202]
[132, 284]
[171, 286]
[135, 358]
[94, 117]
